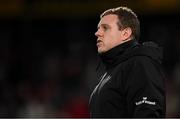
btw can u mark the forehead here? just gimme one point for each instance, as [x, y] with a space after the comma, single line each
[108, 19]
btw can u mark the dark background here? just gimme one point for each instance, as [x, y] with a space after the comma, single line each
[48, 53]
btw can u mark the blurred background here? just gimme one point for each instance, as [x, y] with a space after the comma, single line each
[48, 53]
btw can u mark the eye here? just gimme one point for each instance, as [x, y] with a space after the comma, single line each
[105, 28]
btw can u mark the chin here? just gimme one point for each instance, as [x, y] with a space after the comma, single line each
[101, 51]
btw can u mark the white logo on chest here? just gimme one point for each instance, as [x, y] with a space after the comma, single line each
[145, 101]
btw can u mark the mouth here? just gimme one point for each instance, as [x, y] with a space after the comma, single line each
[99, 43]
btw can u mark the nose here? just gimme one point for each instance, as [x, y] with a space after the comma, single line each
[98, 33]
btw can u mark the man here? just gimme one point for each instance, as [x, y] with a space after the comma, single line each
[131, 82]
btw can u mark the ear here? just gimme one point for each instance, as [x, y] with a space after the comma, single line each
[127, 32]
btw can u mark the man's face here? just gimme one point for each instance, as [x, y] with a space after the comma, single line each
[108, 33]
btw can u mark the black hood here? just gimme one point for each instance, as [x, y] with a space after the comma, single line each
[151, 50]
[129, 49]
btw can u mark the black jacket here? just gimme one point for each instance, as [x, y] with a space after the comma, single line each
[132, 83]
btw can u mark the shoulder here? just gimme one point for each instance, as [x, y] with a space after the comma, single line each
[139, 60]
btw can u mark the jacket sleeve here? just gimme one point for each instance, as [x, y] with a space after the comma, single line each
[145, 90]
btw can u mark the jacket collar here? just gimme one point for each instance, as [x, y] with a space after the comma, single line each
[112, 57]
